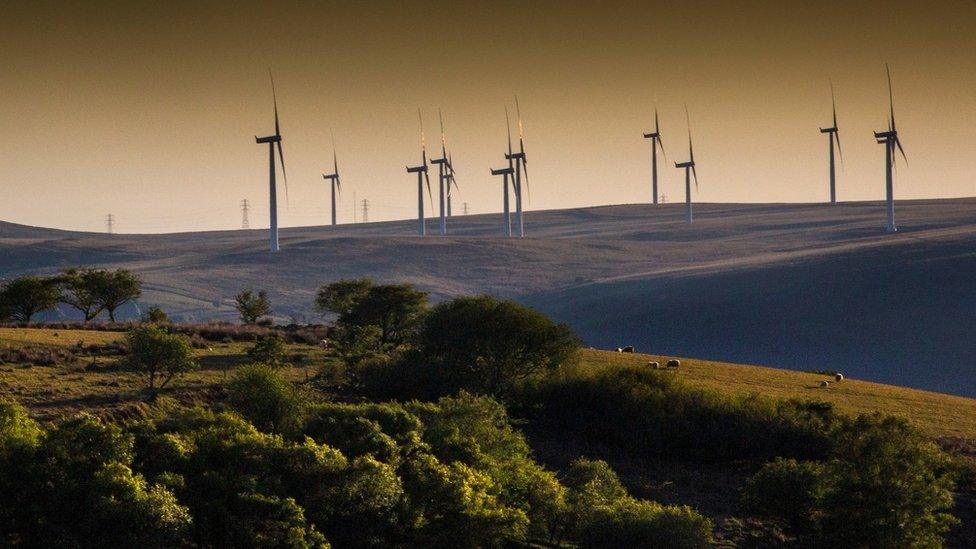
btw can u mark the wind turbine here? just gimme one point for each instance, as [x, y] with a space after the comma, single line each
[334, 183]
[444, 174]
[511, 170]
[422, 175]
[890, 140]
[271, 140]
[451, 183]
[519, 165]
[689, 168]
[833, 136]
[656, 142]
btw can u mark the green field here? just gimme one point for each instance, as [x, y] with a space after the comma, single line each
[63, 389]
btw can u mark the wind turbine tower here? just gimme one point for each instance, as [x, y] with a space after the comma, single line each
[334, 183]
[520, 167]
[422, 175]
[271, 140]
[656, 142]
[833, 137]
[890, 140]
[689, 168]
[505, 173]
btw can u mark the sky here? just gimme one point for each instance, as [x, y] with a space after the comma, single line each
[148, 110]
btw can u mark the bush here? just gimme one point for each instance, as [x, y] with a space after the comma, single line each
[487, 346]
[394, 311]
[628, 522]
[269, 350]
[266, 399]
[790, 491]
[155, 315]
[252, 306]
[159, 355]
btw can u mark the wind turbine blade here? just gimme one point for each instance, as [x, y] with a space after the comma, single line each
[836, 137]
[694, 172]
[661, 144]
[891, 100]
[281, 157]
[657, 125]
[898, 144]
[423, 139]
[518, 115]
[274, 97]
[833, 104]
[430, 193]
[440, 116]
[508, 128]
[691, 151]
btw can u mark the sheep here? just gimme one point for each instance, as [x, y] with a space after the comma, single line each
[839, 377]
[653, 365]
[629, 349]
[674, 363]
[825, 384]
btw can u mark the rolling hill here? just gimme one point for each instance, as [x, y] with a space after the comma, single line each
[798, 286]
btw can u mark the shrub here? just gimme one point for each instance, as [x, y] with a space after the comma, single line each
[155, 315]
[790, 491]
[394, 311]
[269, 350]
[487, 346]
[252, 306]
[628, 522]
[266, 399]
[159, 355]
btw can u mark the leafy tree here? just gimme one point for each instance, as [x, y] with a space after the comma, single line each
[340, 297]
[159, 355]
[80, 290]
[485, 345]
[791, 492]
[269, 350]
[266, 399]
[155, 315]
[25, 296]
[252, 306]
[112, 289]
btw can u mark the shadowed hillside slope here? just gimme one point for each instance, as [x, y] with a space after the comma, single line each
[799, 286]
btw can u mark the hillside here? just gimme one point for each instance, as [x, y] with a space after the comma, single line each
[806, 287]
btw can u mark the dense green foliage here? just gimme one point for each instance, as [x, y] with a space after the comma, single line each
[112, 289]
[268, 350]
[266, 399]
[252, 306]
[371, 318]
[488, 346]
[882, 476]
[24, 297]
[155, 315]
[158, 355]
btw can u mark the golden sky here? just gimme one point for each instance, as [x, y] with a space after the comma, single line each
[148, 110]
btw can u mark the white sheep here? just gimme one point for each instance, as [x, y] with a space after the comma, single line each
[674, 363]
[825, 384]
[653, 365]
[839, 377]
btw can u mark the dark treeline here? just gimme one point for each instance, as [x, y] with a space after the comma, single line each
[89, 291]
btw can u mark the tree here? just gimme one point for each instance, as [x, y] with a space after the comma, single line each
[486, 345]
[340, 297]
[25, 296]
[155, 315]
[115, 288]
[394, 309]
[266, 399]
[159, 355]
[79, 289]
[252, 306]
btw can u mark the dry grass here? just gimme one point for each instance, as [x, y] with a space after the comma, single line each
[12, 337]
[937, 414]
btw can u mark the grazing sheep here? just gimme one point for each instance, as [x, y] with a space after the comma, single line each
[839, 376]
[620, 349]
[674, 363]
[628, 349]
[825, 384]
[653, 365]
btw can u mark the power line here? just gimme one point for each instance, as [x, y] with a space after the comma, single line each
[245, 223]
[109, 223]
[464, 208]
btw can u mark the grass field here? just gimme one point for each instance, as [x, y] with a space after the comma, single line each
[62, 389]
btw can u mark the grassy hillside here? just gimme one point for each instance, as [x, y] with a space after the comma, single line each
[69, 386]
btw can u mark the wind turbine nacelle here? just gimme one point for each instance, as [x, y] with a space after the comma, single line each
[515, 156]
[268, 139]
[417, 169]
[330, 176]
[654, 135]
[438, 161]
[684, 164]
[503, 171]
[885, 135]
[828, 130]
